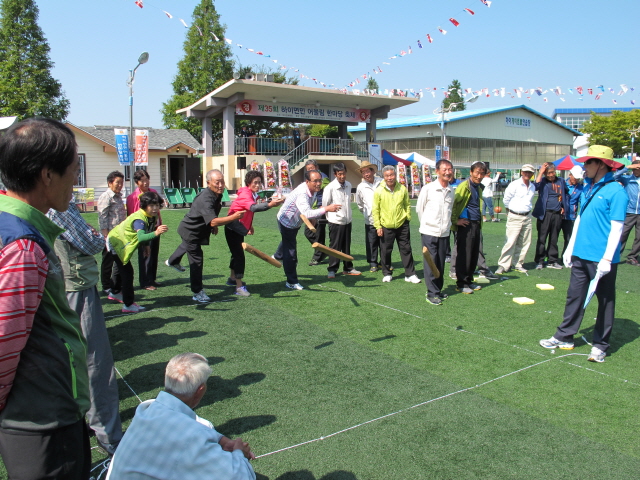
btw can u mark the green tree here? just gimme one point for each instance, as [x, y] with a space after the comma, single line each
[455, 96]
[206, 65]
[372, 84]
[613, 131]
[27, 88]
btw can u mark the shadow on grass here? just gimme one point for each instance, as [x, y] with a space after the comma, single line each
[220, 389]
[624, 331]
[307, 475]
[239, 426]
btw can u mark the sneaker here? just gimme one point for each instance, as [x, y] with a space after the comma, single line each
[633, 261]
[353, 271]
[331, 275]
[475, 287]
[387, 278]
[539, 266]
[553, 342]
[412, 279]
[447, 259]
[201, 297]
[495, 219]
[312, 263]
[500, 271]
[443, 296]
[434, 300]
[374, 269]
[555, 266]
[465, 290]
[488, 275]
[294, 286]
[116, 297]
[177, 267]
[597, 355]
[133, 308]
[242, 292]
[453, 276]
[521, 269]
[232, 283]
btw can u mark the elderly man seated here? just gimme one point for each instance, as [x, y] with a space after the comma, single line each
[167, 440]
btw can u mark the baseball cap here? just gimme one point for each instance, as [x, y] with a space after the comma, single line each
[577, 172]
[527, 167]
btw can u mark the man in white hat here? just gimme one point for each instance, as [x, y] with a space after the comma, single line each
[364, 200]
[593, 253]
[517, 201]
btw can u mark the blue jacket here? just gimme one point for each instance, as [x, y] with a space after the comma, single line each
[574, 192]
[541, 205]
[630, 183]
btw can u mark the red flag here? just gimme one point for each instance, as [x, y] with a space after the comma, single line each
[139, 3]
[444, 32]
[486, 2]
[454, 21]
[379, 70]
[471, 12]
[598, 96]
[590, 90]
[579, 89]
[429, 39]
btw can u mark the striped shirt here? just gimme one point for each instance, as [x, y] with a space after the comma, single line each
[77, 232]
[23, 273]
[298, 202]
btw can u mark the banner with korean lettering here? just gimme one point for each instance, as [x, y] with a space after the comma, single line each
[122, 145]
[142, 148]
[519, 122]
[259, 108]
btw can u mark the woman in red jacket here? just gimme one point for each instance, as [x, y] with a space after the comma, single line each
[235, 231]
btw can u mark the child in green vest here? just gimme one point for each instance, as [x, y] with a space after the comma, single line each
[124, 240]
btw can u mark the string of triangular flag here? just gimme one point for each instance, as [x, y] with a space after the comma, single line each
[409, 51]
[144, 3]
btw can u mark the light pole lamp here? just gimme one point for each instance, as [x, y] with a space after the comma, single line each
[143, 58]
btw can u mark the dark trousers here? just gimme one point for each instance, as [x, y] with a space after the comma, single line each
[630, 221]
[340, 239]
[401, 235]
[437, 247]
[148, 266]
[125, 273]
[109, 273]
[60, 454]
[567, 231]
[287, 252]
[234, 241]
[194, 254]
[468, 249]
[372, 242]
[320, 236]
[582, 272]
[482, 261]
[549, 227]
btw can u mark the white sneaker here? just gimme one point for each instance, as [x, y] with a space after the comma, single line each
[597, 355]
[133, 308]
[201, 297]
[412, 279]
[294, 286]
[242, 292]
[177, 267]
[387, 278]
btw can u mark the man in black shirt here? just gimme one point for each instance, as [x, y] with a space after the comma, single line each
[195, 229]
[550, 209]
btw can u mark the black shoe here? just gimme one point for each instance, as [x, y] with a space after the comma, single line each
[434, 300]
[443, 296]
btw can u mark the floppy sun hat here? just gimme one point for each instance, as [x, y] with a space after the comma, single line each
[366, 164]
[602, 153]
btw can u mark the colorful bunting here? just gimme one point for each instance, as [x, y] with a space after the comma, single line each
[429, 39]
[139, 3]
[444, 32]
[455, 22]
[469, 11]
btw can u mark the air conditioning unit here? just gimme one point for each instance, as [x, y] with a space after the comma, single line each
[270, 77]
[260, 77]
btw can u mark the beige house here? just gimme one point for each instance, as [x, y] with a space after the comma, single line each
[173, 159]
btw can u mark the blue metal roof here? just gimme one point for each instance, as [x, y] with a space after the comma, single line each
[435, 119]
[589, 110]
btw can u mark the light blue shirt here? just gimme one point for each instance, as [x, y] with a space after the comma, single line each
[609, 203]
[164, 441]
[631, 184]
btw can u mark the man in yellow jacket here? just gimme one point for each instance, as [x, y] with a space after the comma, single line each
[391, 217]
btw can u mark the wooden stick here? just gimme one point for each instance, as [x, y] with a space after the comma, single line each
[308, 223]
[332, 253]
[432, 265]
[261, 255]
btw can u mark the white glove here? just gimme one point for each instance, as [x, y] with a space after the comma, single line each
[604, 267]
[566, 258]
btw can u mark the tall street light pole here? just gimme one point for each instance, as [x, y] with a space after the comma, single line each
[143, 58]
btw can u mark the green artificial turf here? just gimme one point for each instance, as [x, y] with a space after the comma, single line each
[294, 366]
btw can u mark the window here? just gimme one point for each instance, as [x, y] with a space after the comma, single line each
[82, 172]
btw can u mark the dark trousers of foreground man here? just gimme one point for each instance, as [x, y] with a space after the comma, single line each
[195, 256]
[320, 236]
[468, 250]
[287, 252]
[340, 239]
[372, 241]
[401, 235]
[582, 272]
[549, 227]
[437, 247]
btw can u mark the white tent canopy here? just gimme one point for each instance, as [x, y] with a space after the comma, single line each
[417, 158]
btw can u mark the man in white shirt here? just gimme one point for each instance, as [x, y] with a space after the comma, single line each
[434, 206]
[338, 192]
[487, 196]
[517, 202]
[364, 200]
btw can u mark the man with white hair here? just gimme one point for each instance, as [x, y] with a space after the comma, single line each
[167, 440]
[195, 229]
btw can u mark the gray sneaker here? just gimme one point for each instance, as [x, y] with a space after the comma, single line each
[293, 286]
[177, 267]
[434, 300]
[539, 266]
[201, 297]
[555, 266]
[242, 292]
[521, 269]
[465, 290]
[475, 287]
[331, 274]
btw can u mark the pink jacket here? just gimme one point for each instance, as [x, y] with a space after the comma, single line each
[133, 203]
[243, 202]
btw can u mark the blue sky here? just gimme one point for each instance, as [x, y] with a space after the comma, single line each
[514, 43]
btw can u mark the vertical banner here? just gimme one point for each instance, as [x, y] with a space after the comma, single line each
[142, 148]
[445, 153]
[375, 153]
[122, 145]
[438, 153]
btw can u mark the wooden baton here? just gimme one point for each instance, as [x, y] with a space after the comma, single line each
[332, 253]
[432, 265]
[308, 223]
[261, 255]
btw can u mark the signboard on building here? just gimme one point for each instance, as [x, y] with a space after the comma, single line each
[122, 145]
[510, 121]
[262, 108]
[142, 148]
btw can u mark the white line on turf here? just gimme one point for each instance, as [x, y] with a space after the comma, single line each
[125, 382]
[442, 397]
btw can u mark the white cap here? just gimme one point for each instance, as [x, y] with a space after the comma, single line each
[577, 172]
